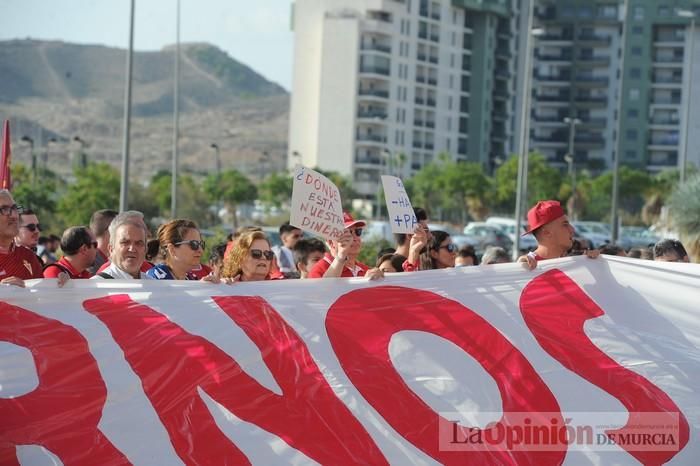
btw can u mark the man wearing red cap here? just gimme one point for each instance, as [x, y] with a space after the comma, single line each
[342, 259]
[554, 234]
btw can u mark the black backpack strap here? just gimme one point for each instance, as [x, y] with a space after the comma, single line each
[56, 264]
[105, 275]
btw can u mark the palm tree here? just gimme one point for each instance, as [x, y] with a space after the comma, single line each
[684, 209]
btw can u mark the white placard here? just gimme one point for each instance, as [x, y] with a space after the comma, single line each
[316, 205]
[401, 216]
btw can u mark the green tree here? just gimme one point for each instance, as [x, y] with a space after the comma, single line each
[633, 185]
[684, 210]
[276, 189]
[425, 189]
[192, 202]
[465, 189]
[543, 182]
[96, 187]
[41, 196]
[232, 188]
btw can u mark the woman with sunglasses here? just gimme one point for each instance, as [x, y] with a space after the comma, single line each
[442, 250]
[250, 260]
[182, 247]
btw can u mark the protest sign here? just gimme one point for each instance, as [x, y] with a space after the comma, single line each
[401, 216]
[316, 205]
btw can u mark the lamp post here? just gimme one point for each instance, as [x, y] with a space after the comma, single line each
[217, 159]
[176, 115]
[32, 155]
[687, 95]
[124, 186]
[82, 156]
[614, 214]
[571, 158]
[521, 185]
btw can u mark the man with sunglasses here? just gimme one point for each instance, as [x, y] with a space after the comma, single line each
[29, 230]
[79, 248]
[342, 259]
[17, 263]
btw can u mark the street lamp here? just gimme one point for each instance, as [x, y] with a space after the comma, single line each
[82, 156]
[686, 109]
[176, 116]
[124, 185]
[32, 155]
[521, 189]
[614, 214]
[217, 159]
[570, 158]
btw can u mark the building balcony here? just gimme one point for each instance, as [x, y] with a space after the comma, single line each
[372, 69]
[602, 60]
[555, 38]
[665, 101]
[563, 57]
[429, 146]
[418, 123]
[664, 141]
[667, 60]
[591, 40]
[592, 81]
[430, 124]
[595, 122]
[379, 93]
[376, 48]
[372, 114]
[665, 120]
[368, 160]
[562, 77]
[667, 160]
[430, 102]
[371, 138]
[563, 97]
[675, 81]
[417, 144]
[502, 74]
[590, 99]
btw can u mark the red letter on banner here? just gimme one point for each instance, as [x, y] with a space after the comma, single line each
[62, 413]
[172, 364]
[360, 325]
[555, 309]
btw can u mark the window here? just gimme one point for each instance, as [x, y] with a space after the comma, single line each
[638, 13]
[636, 51]
[630, 154]
[635, 73]
[631, 134]
[634, 94]
[637, 29]
[632, 113]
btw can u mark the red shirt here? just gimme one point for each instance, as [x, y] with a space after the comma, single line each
[201, 271]
[63, 265]
[323, 265]
[20, 262]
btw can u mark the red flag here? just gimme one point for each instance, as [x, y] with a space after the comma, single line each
[5, 178]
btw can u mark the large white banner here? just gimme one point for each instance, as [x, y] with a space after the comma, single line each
[579, 362]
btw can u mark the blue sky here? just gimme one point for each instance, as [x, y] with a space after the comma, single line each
[255, 32]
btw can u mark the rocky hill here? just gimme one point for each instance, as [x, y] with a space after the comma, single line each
[55, 91]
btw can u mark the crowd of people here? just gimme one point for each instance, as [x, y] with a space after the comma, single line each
[121, 246]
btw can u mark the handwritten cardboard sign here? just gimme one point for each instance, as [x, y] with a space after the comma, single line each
[401, 216]
[316, 205]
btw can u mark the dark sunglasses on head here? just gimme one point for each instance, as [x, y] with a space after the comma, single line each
[8, 209]
[450, 247]
[357, 231]
[194, 244]
[259, 253]
[32, 227]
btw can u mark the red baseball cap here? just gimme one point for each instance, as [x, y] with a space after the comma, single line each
[351, 222]
[543, 213]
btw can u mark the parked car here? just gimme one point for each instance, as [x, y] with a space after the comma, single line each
[637, 237]
[485, 235]
[507, 225]
[598, 233]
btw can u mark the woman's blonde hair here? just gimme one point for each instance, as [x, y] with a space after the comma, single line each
[233, 263]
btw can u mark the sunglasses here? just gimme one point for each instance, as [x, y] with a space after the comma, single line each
[32, 227]
[450, 247]
[93, 244]
[357, 231]
[194, 244]
[8, 209]
[259, 253]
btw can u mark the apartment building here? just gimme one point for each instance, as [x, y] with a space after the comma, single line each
[578, 63]
[384, 86]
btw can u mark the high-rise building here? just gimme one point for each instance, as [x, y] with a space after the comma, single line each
[578, 63]
[384, 86]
